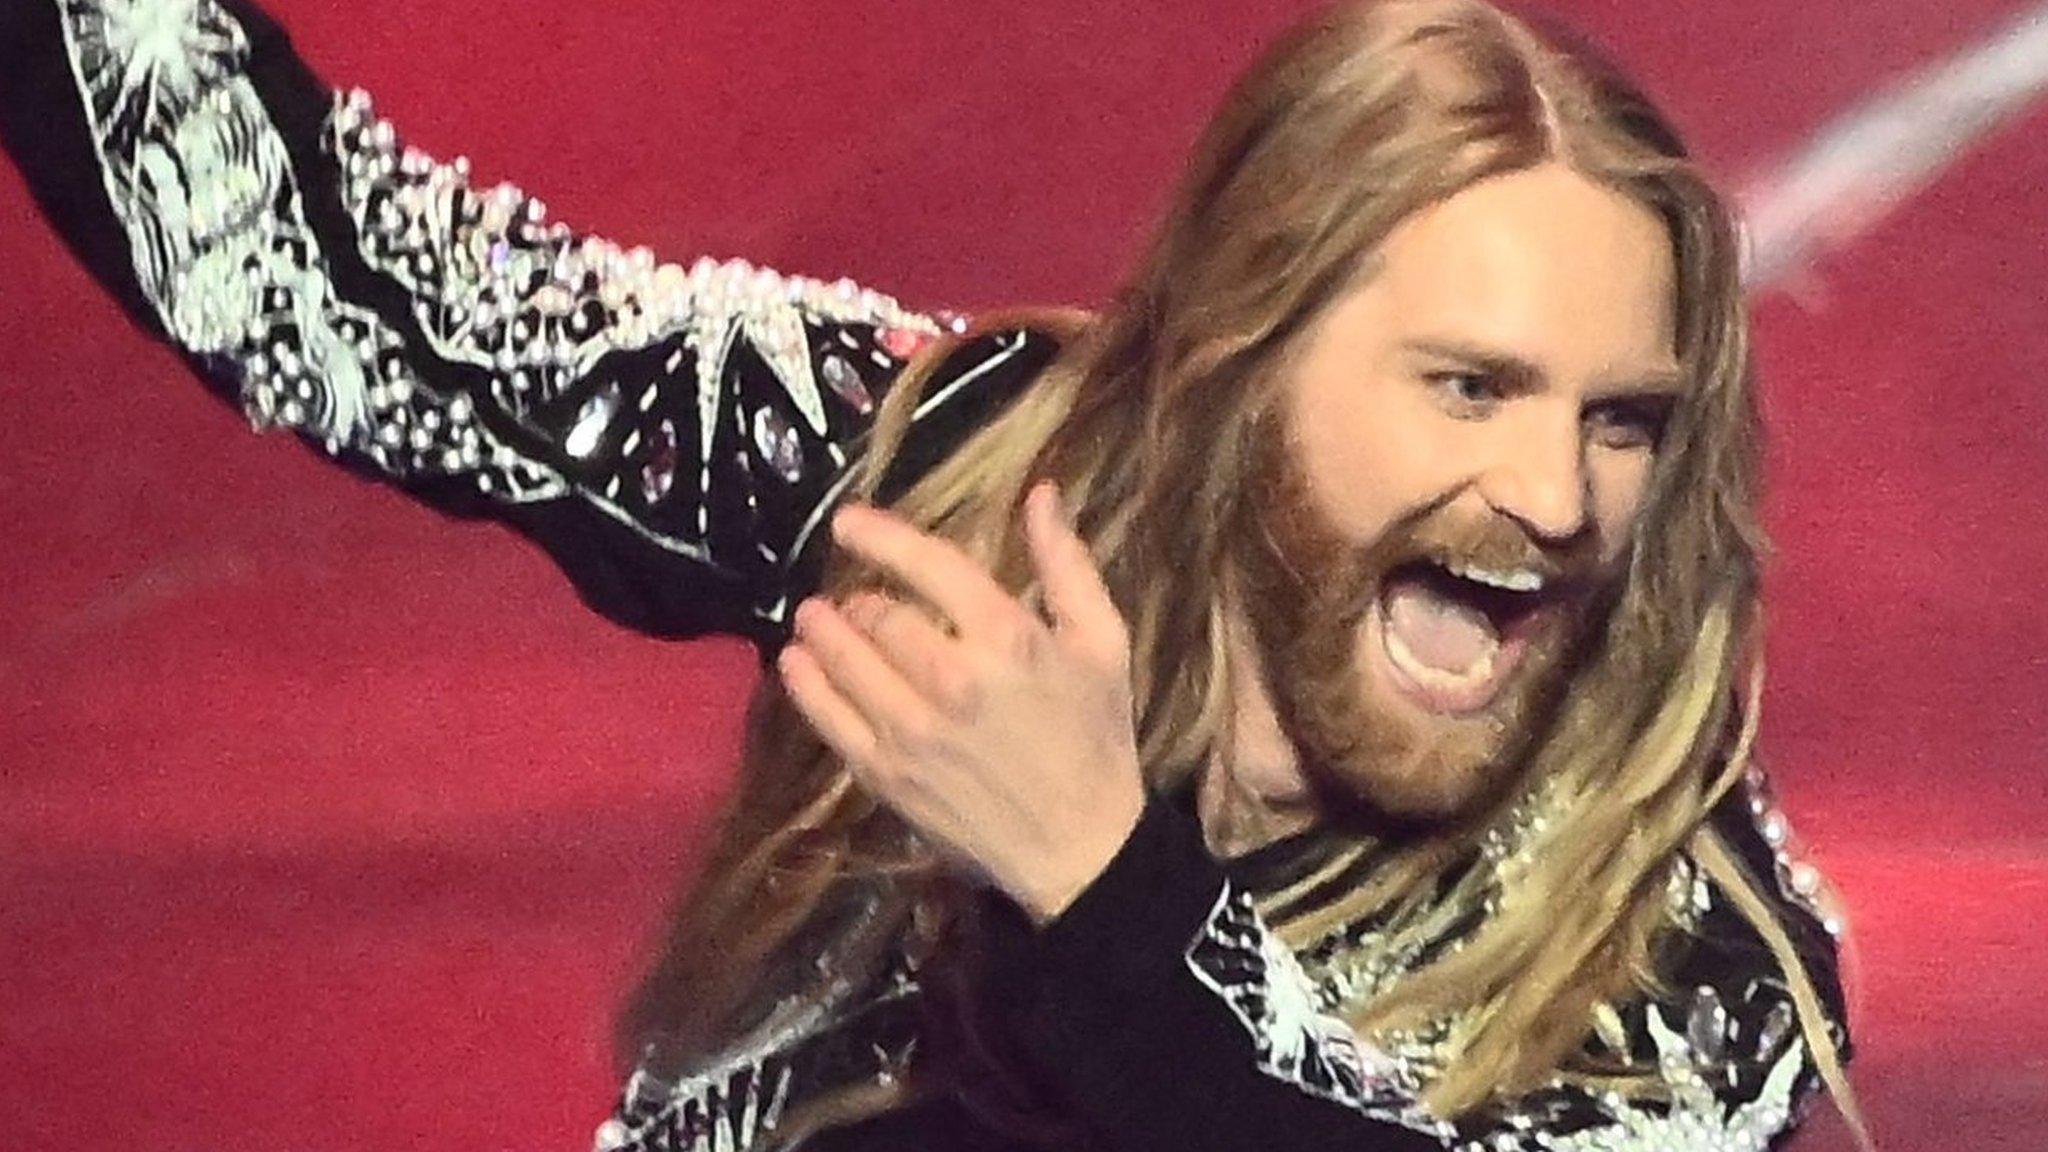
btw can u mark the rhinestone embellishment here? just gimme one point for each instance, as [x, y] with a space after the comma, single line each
[846, 383]
[591, 421]
[1706, 1026]
[658, 475]
[777, 443]
[903, 343]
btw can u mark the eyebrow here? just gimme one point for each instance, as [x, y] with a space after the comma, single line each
[1664, 380]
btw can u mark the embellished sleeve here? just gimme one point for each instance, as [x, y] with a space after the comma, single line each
[1167, 1013]
[1165, 1016]
[741, 1100]
[1731, 1074]
[1720, 1061]
[672, 436]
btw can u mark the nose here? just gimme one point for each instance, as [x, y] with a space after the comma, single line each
[1540, 480]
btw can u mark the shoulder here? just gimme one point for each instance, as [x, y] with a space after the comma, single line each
[1720, 1053]
[1753, 947]
[1726, 944]
[963, 383]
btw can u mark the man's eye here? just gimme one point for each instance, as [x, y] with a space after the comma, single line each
[1467, 389]
[1628, 427]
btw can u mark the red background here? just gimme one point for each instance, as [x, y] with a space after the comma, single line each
[326, 823]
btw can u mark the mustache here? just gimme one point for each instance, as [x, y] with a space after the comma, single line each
[1294, 551]
[1437, 537]
[1500, 546]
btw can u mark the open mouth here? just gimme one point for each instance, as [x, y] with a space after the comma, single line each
[1454, 633]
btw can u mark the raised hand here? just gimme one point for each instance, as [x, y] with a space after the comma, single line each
[1008, 743]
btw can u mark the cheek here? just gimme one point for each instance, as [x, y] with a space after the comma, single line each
[1369, 456]
[1620, 486]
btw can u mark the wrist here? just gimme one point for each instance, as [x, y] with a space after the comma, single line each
[1050, 888]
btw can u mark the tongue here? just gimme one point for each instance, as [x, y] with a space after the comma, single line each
[1439, 631]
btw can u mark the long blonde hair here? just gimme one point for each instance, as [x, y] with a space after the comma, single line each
[1349, 126]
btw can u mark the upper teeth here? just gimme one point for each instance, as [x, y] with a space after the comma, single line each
[1514, 580]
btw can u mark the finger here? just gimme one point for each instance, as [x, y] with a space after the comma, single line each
[1079, 601]
[954, 583]
[915, 645]
[834, 718]
[892, 707]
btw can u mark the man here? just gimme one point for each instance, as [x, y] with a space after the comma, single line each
[1360, 766]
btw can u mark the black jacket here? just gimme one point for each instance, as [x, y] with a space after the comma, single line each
[674, 439]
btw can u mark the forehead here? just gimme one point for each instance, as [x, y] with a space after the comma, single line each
[1543, 264]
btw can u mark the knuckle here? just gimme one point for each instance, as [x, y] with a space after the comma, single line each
[914, 733]
[974, 689]
[871, 770]
[1012, 637]
[873, 612]
[991, 664]
[960, 691]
